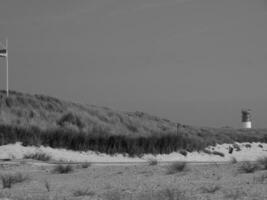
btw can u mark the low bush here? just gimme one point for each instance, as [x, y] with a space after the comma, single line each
[176, 167]
[86, 165]
[38, 156]
[233, 160]
[183, 152]
[218, 153]
[248, 167]
[263, 162]
[236, 147]
[260, 179]
[47, 186]
[63, 169]
[234, 194]
[9, 179]
[152, 161]
[83, 192]
[207, 151]
[210, 188]
[171, 194]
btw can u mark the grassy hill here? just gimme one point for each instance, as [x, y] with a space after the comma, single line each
[39, 119]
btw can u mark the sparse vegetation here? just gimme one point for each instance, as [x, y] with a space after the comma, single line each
[183, 152]
[248, 167]
[262, 162]
[38, 156]
[63, 169]
[9, 179]
[86, 165]
[218, 153]
[113, 195]
[42, 120]
[152, 161]
[236, 147]
[210, 188]
[233, 160]
[234, 194]
[260, 179]
[171, 194]
[83, 192]
[47, 186]
[176, 167]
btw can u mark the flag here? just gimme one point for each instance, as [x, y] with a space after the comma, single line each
[3, 53]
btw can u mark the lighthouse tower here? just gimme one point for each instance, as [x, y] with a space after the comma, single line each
[246, 118]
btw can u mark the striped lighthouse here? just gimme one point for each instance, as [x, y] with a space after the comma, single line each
[246, 118]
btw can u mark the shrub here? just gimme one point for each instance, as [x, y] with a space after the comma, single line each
[38, 156]
[83, 192]
[260, 145]
[247, 167]
[86, 165]
[207, 151]
[218, 153]
[71, 118]
[63, 169]
[260, 179]
[236, 147]
[234, 194]
[47, 186]
[233, 160]
[113, 195]
[263, 162]
[183, 152]
[176, 167]
[210, 188]
[171, 194]
[152, 161]
[9, 179]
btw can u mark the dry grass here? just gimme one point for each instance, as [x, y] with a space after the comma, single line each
[83, 192]
[176, 167]
[108, 183]
[62, 169]
[260, 179]
[248, 167]
[85, 165]
[152, 162]
[262, 162]
[38, 156]
[9, 179]
[43, 120]
[233, 160]
[210, 188]
[234, 194]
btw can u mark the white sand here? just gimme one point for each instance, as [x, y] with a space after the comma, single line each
[17, 151]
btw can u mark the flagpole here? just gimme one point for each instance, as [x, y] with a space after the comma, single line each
[7, 92]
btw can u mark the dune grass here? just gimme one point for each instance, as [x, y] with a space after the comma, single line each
[43, 120]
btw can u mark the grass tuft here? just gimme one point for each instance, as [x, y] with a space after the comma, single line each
[233, 160]
[248, 167]
[210, 188]
[263, 162]
[63, 169]
[86, 165]
[38, 156]
[176, 167]
[83, 192]
[152, 161]
[9, 179]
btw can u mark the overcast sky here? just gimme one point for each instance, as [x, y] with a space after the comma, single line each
[196, 62]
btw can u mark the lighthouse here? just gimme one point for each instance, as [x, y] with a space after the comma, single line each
[246, 119]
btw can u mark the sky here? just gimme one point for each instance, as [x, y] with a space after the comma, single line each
[196, 62]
